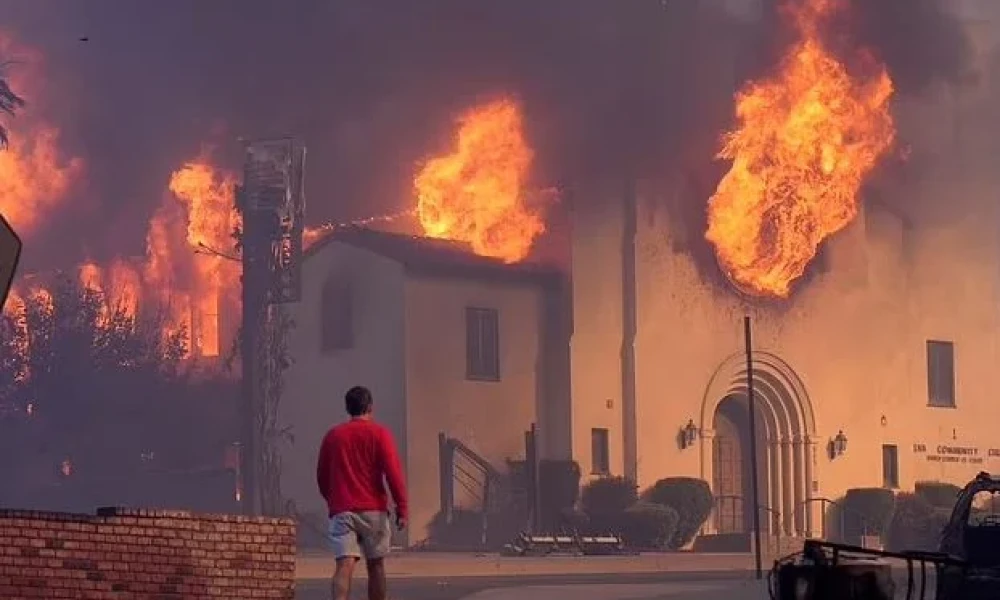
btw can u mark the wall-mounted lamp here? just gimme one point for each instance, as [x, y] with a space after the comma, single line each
[838, 445]
[689, 434]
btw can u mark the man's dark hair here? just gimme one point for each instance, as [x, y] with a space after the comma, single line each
[358, 401]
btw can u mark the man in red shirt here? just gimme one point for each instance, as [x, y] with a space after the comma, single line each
[356, 459]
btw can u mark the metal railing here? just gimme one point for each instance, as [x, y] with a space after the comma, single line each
[462, 466]
[738, 521]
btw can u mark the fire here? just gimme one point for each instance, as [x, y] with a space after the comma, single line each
[185, 271]
[805, 141]
[187, 246]
[34, 178]
[477, 193]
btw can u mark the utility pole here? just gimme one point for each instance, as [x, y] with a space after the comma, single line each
[753, 447]
[272, 204]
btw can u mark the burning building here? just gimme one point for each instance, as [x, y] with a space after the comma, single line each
[874, 325]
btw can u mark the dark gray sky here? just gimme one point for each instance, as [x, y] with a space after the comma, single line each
[609, 88]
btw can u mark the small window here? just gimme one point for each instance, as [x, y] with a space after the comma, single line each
[599, 454]
[940, 374]
[482, 344]
[890, 467]
[337, 317]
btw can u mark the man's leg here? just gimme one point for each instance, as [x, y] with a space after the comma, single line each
[342, 577]
[347, 551]
[375, 543]
[376, 579]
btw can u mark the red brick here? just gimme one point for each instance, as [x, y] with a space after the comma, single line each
[138, 554]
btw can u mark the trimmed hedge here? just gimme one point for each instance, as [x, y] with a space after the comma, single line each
[916, 524]
[690, 498]
[937, 493]
[648, 526]
[559, 490]
[608, 496]
[867, 511]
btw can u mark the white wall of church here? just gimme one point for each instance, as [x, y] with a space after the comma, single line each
[854, 335]
[316, 382]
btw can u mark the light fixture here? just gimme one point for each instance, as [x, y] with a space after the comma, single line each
[689, 434]
[838, 445]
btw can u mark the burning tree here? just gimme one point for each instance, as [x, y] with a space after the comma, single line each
[89, 393]
[9, 103]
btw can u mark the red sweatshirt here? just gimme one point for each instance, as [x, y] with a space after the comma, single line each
[353, 459]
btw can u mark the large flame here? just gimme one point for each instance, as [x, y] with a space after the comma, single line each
[477, 193]
[186, 271]
[806, 139]
[34, 178]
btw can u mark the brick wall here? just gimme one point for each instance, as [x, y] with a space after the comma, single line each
[136, 554]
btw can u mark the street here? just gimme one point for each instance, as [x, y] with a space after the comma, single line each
[631, 586]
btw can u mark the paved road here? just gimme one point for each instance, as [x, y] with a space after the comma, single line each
[632, 586]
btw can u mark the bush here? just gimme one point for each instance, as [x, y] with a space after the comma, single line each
[937, 493]
[608, 496]
[559, 490]
[690, 498]
[648, 526]
[867, 511]
[916, 524]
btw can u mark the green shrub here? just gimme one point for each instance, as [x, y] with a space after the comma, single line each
[648, 526]
[690, 498]
[916, 524]
[559, 490]
[608, 496]
[866, 511]
[937, 493]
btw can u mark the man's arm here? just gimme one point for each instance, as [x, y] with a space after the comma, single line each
[323, 468]
[394, 475]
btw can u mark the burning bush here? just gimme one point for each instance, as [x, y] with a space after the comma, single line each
[93, 393]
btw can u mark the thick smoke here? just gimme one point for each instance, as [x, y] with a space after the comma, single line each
[921, 42]
[609, 88]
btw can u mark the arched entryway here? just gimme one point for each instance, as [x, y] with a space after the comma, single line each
[786, 447]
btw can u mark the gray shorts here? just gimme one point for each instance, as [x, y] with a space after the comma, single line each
[365, 534]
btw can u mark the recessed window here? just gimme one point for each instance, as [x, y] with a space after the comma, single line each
[336, 317]
[890, 467]
[940, 374]
[599, 453]
[482, 344]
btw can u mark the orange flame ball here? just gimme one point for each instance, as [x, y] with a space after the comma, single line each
[476, 194]
[805, 142]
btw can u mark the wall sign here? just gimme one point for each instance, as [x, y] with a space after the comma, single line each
[947, 453]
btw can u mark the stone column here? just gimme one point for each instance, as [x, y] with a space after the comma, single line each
[787, 485]
[708, 474]
[774, 457]
[810, 512]
[799, 493]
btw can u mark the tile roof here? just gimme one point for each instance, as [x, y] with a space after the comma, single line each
[434, 256]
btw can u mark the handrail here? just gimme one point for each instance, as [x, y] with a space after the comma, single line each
[844, 511]
[775, 513]
[470, 454]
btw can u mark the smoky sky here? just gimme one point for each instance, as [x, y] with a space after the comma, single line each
[610, 89]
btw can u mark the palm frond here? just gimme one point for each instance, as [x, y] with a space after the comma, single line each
[10, 103]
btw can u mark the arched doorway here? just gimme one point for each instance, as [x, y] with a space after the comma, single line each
[731, 479]
[786, 447]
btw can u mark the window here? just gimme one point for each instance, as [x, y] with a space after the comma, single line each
[890, 467]
[337, 317]
[482, 344]
[940, 374]
[599, 455]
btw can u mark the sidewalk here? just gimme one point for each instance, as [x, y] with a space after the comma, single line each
[454, 564]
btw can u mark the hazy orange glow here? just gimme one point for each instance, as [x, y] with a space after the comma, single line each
[804, 142]
[34, 177]
[477, 194]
